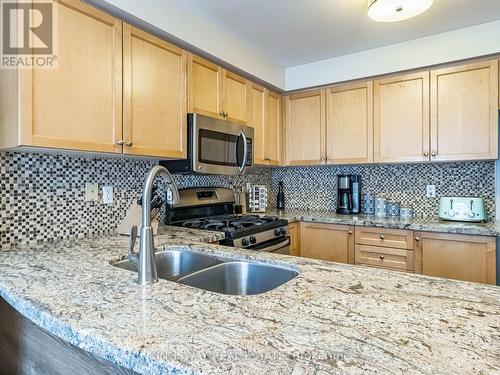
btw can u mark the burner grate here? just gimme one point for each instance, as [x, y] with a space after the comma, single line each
[229, 223]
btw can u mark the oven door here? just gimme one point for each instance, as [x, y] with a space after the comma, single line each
[220, 147]
[278, 246]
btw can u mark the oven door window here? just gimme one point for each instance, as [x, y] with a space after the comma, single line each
[220, 148]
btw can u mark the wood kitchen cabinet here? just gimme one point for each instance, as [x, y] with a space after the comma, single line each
[265, 118]
[401, 118]
[305, 124]
[204, 87]
[349, 124]
[330, 242]
[273, 129]
[464, 112]
[257, 120]
[385, 248]
[236, 99]
[216, 92]
[294, 239]
[154, 97]
[394, 238]
[384, 257]
[77, 106]
[454, 256]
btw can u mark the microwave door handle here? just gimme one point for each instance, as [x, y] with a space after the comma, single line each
[242, 166]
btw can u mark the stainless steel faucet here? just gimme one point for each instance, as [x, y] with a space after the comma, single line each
[145, 260]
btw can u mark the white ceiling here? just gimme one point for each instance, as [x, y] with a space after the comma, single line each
[294, 32]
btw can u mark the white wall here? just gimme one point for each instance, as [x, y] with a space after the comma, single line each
[182, 22]
[455, 45]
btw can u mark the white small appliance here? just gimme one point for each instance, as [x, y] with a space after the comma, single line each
[462, 209]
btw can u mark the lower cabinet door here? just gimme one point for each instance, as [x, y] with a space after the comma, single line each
[461, 257]
[327, 242]
[294, 239]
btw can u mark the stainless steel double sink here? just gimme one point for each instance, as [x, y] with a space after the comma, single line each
[217, 274]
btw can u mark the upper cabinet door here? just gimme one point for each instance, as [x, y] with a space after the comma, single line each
[401, 118]
[257, 119]
[349, 129]
[305, 128]
[78, 105]
[464, 117]
[155, 112]
[273, 129]
[204, 87]
[235, 97]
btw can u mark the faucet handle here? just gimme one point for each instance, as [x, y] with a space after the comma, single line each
[132, 256]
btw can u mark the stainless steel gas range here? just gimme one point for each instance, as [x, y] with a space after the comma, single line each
[213, 209]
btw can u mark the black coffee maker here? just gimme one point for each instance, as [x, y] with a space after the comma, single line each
[348, 194]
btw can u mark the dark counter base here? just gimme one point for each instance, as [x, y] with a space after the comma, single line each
[25, 348]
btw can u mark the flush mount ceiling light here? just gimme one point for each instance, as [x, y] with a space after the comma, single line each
[396, 10]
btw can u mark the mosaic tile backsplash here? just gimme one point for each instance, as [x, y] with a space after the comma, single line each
[315, 188]
[42, 195]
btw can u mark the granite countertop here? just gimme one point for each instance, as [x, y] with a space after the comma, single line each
[168, 233]
[332, 318]
[491, 228]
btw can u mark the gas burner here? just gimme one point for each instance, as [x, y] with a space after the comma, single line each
[229, 223]
[260, 233]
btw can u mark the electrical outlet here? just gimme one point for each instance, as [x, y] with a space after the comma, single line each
[91, 192]
[107, 194]
[170, 196]
[431, 191]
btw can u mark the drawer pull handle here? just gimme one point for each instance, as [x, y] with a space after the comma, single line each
[382, 237]
[381, 257]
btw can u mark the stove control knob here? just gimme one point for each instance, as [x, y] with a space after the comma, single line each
[283, 231]
[253, 239]
[277, 232]
[244, 242]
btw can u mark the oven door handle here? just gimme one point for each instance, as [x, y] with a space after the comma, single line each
[242, 166]
[278, 246]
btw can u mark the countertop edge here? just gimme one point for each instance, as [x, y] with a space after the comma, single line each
[489, 229]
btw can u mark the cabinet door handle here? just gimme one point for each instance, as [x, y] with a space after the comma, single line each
[433, 153]
[222, 113]
[322, 158]
[350, 232]
[129, 144]
[381, 257]
[382, 237]
[120, 142]
[417, 239]
[426, 153]
[226, 115]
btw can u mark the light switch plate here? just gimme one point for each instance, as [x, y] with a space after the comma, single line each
[107, 194]
[431, 191]
[91, 192]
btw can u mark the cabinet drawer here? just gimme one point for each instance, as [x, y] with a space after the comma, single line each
[384, 257]
[395, 238]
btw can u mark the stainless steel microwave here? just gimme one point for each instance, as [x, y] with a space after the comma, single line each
[215, 147]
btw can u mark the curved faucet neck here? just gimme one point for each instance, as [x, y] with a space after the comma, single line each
[147, 263]
[148, 191]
